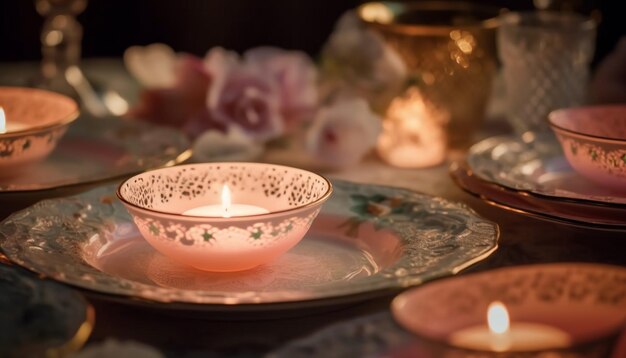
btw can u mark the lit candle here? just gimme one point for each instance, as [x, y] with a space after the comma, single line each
[413, 132]
[226, 209]
[9, 126]
[499, 335]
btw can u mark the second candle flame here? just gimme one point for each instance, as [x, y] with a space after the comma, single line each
[2, 121]
[498, 318]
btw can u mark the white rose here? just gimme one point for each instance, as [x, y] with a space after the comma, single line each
[343, 132]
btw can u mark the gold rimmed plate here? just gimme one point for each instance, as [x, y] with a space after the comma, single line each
[571, 213]
[368, 241]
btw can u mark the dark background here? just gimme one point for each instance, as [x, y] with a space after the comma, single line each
[110, 26]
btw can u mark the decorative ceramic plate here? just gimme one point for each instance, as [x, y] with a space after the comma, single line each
[565, 212]
[95, 150]
[40, 318]
[367, 241]
[537, 167]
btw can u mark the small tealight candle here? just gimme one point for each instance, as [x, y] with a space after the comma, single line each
[413, 132]
[499, 335]
[226, 209]
[7, 127]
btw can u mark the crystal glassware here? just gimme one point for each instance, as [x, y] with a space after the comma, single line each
[545, 57]
[61, 38]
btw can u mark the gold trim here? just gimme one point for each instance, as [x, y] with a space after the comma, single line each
[83, 332]
[182, 157]
[562, 111]
[4, 260]
[78, 340]
[526, 212]
[320, 200]
[63, 121]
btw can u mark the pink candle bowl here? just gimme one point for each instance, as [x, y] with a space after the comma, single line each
[224, 217]
[31, 123]
[594, 142]
[553, 310]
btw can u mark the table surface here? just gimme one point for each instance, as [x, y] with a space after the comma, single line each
[523, 240]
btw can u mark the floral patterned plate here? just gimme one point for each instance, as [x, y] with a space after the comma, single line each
[95, 150]
[537, 167]
[367, 241]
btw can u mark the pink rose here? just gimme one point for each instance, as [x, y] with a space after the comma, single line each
[249, 100]
[296, 78]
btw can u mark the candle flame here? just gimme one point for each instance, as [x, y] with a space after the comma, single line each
[497, 318]
[2, 121]
[226, 201]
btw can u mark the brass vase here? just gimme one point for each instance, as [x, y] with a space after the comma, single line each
[450, 52]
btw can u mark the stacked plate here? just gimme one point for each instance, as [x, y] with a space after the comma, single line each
[533, 177]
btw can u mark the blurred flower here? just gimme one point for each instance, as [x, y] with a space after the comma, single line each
[296, 78]
[153, 66]
[233, 105]
[248, 100]
[219, 62]
[183, 104]
[357, 57]
[343, 132]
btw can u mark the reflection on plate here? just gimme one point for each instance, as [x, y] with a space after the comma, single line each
[367, 239]
[537, 167]
[95, 150]
[40, 318]
[577, 214]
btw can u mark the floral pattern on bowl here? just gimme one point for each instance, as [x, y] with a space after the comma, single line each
[159, 199]
[594, 142]
[32, 123]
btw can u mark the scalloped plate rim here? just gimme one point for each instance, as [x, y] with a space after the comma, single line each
[395, 284]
